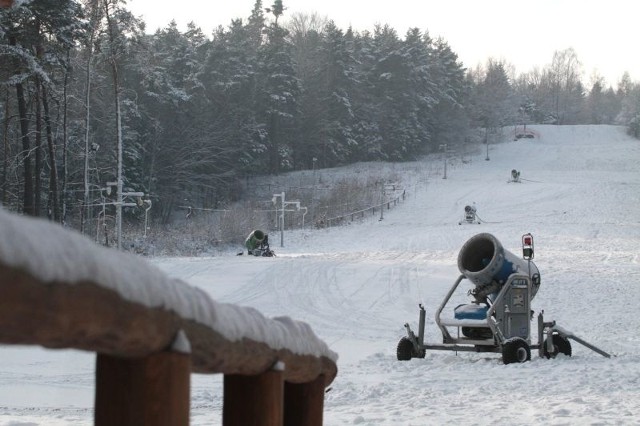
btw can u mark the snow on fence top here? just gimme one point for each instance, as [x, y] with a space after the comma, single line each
[61, 258]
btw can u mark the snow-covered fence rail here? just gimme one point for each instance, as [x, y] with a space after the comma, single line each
[359, 214]
[150, 332]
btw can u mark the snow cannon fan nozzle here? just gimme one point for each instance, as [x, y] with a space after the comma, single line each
[484, 261]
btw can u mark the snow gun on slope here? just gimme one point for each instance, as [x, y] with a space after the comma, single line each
[470, 215]
[257, 244]
[498, 319]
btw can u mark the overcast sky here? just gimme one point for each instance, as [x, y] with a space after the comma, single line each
[604, 33]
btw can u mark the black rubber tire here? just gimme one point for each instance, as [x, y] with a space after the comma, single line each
[514, 350]
[404, 351]
[561, 345]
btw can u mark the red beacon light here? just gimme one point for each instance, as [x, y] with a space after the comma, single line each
[527, 246]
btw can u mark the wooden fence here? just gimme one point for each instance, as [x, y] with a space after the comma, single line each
[59, 290]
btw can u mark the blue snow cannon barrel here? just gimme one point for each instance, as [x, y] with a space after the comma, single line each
[484, 261]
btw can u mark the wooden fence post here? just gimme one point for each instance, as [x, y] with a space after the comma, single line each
[254, 400]
[153, 390]
[304, 403]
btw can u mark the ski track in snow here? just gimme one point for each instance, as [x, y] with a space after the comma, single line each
[357, 285]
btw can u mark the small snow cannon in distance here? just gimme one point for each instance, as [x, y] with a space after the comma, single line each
[498, 318]
[470, 215]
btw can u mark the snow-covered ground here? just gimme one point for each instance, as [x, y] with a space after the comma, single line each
[357, 285]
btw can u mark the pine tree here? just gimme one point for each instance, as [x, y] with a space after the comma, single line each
[366, 126]
[399, 72]
[335, 75]
[495, 97]
[278, 96]
[450, 119]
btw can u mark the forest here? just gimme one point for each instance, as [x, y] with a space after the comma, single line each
[95, 111]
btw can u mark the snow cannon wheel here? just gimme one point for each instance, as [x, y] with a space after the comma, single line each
[268, 253]
[515, 350]
[561, 345]
[404, 351]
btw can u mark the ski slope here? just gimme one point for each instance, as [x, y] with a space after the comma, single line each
[357, 285]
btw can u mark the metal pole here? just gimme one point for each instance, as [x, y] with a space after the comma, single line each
[146, 217]
[486, 140]
[120, 178]
[313, 193]
[104, 217]
[282, 223]
[277, 218]
[382, 203]
[303, 215]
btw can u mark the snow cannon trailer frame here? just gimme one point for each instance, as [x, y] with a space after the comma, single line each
[499, 318]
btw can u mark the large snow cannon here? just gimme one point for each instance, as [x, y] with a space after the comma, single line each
[484, 262]
[499, 319]
[257, 244]
[254, 239]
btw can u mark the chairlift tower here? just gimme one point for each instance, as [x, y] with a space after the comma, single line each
[283, 208]
[120, 196]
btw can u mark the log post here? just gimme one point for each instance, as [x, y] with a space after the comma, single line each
[304, 403]
[153, 390]
[254, 400]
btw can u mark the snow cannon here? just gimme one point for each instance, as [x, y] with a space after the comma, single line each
[470, 215]
[254, 239]
[257, 244]
[499, 319]
[484, 262]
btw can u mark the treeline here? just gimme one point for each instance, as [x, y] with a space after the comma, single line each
[91, 105]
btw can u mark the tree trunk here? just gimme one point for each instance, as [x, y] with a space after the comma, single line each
[54, 198]
[38, 150]
[5, 160]
[27, 199]
[116, 92]
[85, 174]
[94, 12]
[63, 198]
[120, 178]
